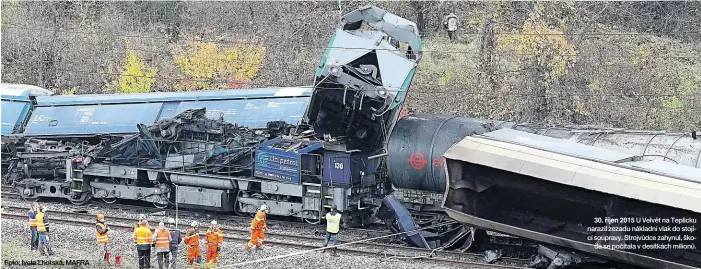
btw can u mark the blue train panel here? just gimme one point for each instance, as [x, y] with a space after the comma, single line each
[252, 113]
[13, 115]
[93, 99]
[282, 160]
[16, 104]
[95, 114]
[91, 119]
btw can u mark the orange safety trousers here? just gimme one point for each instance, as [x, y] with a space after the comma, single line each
[257, 237]
[212, 254]
[193, 255]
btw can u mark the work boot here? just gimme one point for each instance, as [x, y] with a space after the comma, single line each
[333, 251]
[324, 250]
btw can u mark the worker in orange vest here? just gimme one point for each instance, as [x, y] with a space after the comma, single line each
[142, 237]
[34, 241]
[214, 238]
[101, 235]
[258, 226]
[192, 240]
[162, 241]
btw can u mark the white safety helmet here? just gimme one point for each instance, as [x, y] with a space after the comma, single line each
[214, 222]
[171, 221]
[193, 224]
[264, 208]
[142, 217]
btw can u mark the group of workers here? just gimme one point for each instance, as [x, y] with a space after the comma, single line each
[166, 240]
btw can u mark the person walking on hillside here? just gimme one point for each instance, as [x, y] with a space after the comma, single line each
[214, 238]
[192, 240]
[258, 226]
[32, 213]
[450, 23]
[175, 239]
[142, 236]
[161, 239]
[333, 225]
[101, 230]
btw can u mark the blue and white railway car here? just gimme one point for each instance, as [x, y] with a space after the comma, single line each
[88, 115]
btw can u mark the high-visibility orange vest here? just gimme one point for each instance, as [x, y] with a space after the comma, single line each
[142, 235]
[41, 227]
[214, 237]
[258, 222]
[32, 221]
[192, 240]
[101, 237]
[163, 238]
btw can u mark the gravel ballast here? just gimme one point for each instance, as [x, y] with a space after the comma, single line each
[78, 243]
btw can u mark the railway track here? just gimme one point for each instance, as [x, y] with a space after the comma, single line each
[222, 218]
[464, 260]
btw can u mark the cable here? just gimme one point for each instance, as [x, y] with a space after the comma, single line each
[328, 247]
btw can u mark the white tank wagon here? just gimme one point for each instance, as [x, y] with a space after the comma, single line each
[417, 144]
[560, 193]
[680, 148]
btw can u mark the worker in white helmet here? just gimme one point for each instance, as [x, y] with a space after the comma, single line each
[258, 226]
[214, 238]
[192, 239]
[142, 217]
[175, 240]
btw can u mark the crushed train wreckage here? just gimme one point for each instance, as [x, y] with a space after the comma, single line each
[191, 142]
[188, 141]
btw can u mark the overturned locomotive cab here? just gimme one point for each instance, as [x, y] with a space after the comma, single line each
[583, 204]
[363, 78]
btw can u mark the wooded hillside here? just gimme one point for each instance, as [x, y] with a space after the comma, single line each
[622, 64]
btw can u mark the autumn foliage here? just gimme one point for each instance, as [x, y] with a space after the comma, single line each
[204, 65]
[136, 77]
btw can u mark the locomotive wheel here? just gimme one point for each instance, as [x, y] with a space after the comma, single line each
[312, 221]
[110, 200]
[160, 205]
[85, 198]
[20, 190]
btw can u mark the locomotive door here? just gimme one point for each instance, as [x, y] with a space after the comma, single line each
[340, 172]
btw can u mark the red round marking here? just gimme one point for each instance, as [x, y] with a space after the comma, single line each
[417, 160]
[437, 162]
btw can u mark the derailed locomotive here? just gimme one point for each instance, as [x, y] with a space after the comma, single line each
[299, 150]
